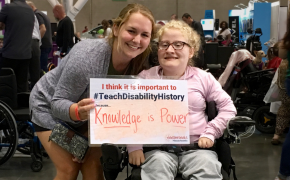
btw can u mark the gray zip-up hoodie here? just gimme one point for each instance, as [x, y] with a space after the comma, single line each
[58, 89]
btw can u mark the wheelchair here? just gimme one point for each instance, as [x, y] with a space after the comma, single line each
[16, 130]
[115, 159]
[250, 102]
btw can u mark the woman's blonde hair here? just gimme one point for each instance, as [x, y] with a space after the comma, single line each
[138, 63]
[193, 39]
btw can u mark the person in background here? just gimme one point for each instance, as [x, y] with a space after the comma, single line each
[77, 37]
[54, 37]
[195, 25]
[34, 62]
[107, 29]
[224, 34]
[85, 30]
[284, 53]
[45, 31]
[273, 61]
[173, 17]
[1, 42]
[65, 30]
[61, 94]
[110, 23]
[16, 51]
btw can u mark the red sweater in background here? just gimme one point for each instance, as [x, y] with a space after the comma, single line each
[274, 63]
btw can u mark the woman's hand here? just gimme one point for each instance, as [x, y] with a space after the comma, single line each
[83, 108]
[204, 142]
[136, 157]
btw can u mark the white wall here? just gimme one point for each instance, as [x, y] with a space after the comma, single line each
[275, 7]
[282, 22]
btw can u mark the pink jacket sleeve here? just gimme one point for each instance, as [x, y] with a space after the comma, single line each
[226, 109]
[132, 148]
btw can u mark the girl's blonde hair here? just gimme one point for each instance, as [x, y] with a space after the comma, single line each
[137, 64]
[193, 39]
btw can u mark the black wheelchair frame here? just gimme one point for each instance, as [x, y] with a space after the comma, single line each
[15, 125]
[115, 159]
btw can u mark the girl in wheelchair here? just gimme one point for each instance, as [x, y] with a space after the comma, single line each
[177, 44]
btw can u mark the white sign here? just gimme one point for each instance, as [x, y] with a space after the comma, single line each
[139, 111]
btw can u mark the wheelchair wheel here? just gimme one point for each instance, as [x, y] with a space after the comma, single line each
[265, 123]
[36, 166]
[8, 133]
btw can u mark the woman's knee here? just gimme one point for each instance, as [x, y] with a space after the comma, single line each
[62, 160]
[68, 170]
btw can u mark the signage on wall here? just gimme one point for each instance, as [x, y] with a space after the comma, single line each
[234, 25]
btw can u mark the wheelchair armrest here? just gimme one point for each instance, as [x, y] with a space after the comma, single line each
[261, 72]
[214, 66]
[239, 124]
[113, 160]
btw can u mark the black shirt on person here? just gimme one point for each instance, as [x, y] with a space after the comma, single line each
[65, 34]
[198, 28]
[46, 40]
[18, 29]
[199, 60]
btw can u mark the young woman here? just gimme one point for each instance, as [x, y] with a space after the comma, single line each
[61, 94]
[106, 27]
[177, 44]
[273, 60]
[225, 33]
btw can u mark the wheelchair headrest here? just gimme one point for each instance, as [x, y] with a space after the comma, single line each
[6, 71]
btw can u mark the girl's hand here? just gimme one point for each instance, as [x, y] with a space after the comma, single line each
[136, 157]
[204, 142]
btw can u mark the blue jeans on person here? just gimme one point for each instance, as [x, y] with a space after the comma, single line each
[44, 52]
[288, 85]
[285, 159]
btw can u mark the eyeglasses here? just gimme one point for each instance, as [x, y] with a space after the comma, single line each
[177, 45]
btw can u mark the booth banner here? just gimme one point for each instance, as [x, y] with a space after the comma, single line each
[234, 25]
[138, 111]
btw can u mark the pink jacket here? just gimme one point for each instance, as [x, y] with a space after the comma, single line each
[236, 57]
[202, 88]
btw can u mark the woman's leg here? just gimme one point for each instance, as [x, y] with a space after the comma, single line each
[283, 115]
[92, 169]
[200, 165]
[159, 165]
[66, 169]
[285, 158]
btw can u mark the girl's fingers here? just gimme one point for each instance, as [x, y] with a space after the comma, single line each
[85, 102]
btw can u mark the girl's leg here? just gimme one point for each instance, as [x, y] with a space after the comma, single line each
[200, 165]
[159, 165]
[66, 169]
